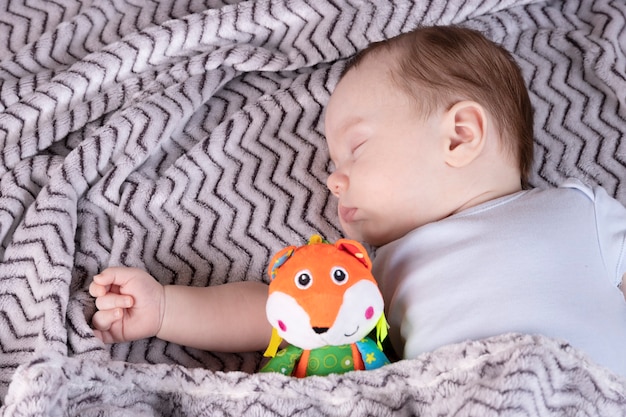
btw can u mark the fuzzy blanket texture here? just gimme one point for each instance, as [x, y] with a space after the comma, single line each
[186, 137]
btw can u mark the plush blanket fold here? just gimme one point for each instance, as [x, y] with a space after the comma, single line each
[186, 137]
[506, 375]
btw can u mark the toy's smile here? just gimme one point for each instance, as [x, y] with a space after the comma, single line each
[353, 333]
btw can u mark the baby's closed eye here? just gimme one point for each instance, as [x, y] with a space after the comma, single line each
[357, 147]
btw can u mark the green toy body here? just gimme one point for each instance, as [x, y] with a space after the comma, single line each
[327, 359]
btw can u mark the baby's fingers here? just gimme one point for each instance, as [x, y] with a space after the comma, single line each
[97, 290]
[112, 301]
[107, 325]
[104, 319]
[106, 337]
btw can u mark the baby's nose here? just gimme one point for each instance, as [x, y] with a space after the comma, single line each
[336, 183]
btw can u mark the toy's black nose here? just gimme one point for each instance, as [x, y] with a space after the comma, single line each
[320, 330]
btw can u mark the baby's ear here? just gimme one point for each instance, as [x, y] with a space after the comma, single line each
[355, 249]
[466, 130]
[278, 260]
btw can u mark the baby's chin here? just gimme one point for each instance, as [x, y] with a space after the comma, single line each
[360, 233]
[351, 232]
[377, 241]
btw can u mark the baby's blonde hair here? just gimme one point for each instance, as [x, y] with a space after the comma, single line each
[441, 65]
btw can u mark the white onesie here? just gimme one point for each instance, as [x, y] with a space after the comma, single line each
[538, 262]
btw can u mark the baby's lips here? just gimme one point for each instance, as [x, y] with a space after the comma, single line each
[347, 213]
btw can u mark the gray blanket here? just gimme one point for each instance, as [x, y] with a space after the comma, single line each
[186, 137]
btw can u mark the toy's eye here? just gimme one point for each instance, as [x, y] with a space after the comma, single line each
[339, 275]
[304, 279]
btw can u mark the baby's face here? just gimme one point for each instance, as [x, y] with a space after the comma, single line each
[387, 161]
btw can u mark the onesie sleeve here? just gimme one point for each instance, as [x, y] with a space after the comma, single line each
[611, 226]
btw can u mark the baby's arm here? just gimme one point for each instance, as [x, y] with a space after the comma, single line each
[224, 318]
[132, 305]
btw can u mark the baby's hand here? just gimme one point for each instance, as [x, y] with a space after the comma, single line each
[130, 304]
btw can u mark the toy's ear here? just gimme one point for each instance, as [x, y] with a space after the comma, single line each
[355, 249]
[278, 260]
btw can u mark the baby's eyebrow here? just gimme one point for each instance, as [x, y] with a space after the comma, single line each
[351, 123]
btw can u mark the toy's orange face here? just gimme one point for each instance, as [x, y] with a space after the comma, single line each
[323, 294]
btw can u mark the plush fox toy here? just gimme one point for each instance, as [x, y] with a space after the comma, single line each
[324, 301]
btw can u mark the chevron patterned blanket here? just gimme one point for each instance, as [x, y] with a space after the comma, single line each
[185, 137]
